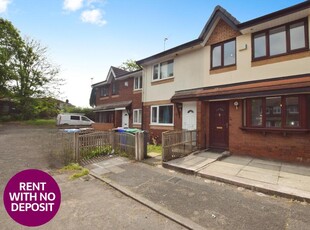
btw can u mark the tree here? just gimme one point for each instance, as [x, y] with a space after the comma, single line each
[10, 44]
[36, 77]
[130, 65]
[25, 71]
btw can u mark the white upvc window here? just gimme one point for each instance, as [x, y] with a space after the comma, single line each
[137, 83]
[162, 115]
[137, 116]
[163, 70]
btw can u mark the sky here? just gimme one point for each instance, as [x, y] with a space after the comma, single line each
[85, 37]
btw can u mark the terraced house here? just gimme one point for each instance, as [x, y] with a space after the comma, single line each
[244, 86]
[118, 100]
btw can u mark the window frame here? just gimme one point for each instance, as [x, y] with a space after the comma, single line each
[104, 91]
[115, 88]
[159, 77]
[157, 115]
[140, 82]
[301, 106]
[288, 40]
[222, 44]
[139, 113]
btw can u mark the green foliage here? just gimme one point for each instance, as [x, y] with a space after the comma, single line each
[98, 151]
[10, 44]
[154, 148]
[80, 171]
[88, 112]
[72, 166]
[130, 65]
[25, 72]
[83, 172]
[41, 122]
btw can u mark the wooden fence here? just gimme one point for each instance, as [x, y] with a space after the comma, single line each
[88, 144]
[178, 144]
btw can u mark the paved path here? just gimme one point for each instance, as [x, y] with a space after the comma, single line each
[274, 177]
[196, 202]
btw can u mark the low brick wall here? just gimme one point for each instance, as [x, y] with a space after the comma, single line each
[102, 126]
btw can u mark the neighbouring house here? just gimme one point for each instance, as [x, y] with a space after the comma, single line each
[7, 106]
[244, 86]
[118, 100]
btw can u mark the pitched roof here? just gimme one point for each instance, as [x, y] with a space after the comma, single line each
[112, 106]
[220, 13]
[276, 14]
[118, 72]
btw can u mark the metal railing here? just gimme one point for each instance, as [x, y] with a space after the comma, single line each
[178, 144]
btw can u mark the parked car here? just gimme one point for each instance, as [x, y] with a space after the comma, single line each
[73, 119]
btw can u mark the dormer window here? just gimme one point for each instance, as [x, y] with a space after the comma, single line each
[223, 54]
[163, 70]
[281, 40]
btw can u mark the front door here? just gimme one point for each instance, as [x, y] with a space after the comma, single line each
[219, 124]
[189, 116]
[125, 119]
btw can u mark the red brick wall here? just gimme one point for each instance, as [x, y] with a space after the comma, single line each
[293, 147]
[222, 32]
[156, 131]
[126, 93]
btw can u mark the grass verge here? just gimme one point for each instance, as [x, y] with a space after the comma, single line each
[154, 148]
[78, 171]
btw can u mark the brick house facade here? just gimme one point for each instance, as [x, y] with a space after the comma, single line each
[244, 86]
[118, 99]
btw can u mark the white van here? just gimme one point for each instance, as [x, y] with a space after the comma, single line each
[73, 119]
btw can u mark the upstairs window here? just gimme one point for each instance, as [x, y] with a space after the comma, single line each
[114, 88]
[281, 40]
[223, 54]
[163, 70]
[138, 83]
[104, 92]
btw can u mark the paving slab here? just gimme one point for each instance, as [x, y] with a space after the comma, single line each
[258, 176]
[295, 169]
[273, 177]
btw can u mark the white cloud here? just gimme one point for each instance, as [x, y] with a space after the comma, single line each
[93, 16]
[72, 5]
[4, 5]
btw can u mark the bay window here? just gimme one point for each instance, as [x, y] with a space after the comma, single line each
[162, 114]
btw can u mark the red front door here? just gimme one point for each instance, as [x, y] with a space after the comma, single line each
[219, 124]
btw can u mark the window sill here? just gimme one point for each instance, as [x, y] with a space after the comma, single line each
[223, 69]
[264, 131]
[162, 126]
[137, 91]
[280, 58]
[115, 95]
[162, 81]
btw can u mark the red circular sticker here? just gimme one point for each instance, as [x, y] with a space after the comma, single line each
[32, 197]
